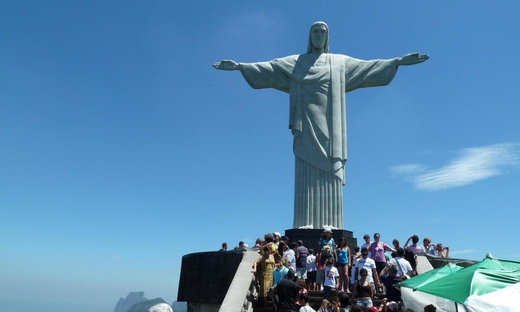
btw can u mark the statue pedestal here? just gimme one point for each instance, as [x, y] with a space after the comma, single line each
[310, 237]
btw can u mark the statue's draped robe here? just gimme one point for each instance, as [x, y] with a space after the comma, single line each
[317, 118]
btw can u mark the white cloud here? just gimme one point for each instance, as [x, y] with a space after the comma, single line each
[472, 164]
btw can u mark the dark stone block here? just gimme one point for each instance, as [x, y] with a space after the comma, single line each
[206, 276]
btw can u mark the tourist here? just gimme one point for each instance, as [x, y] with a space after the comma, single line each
[282, 247]
[290, 255]
[269, 242]
[443, 252]
[304, 303]
[301, 260]
[280, 271]
[353, 262]
[396, 245]
[320, 273]
[258, 244]
[427, 246]
[363, 289]
[277, 238]
[287, 293]
[377, 252]
[414, 248]
[343, 257]
[367, 242]
[266, 262]
[302, 290]
[333, 298]
[366, 263]
[224, 247]
[389, 278]
[327, 245]
[326, 306]
[331, 277]
[311, 270]
[404, 267]
[344, 303]
[392, 306]
[430, 308]
[241, 246]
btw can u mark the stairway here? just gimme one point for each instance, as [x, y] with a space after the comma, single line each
[315, 300]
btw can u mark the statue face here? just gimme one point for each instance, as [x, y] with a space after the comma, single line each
[318, 36]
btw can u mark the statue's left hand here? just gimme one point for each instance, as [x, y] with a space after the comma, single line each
[413, 58]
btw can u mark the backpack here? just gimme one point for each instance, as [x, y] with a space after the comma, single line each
[326, 250]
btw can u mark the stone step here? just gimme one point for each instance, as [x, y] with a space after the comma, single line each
[315, 300]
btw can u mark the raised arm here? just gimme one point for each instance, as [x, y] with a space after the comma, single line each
[255, 264]
[227, 65]
[412, 59]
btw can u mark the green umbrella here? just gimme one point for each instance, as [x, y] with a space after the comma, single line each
[478, 279]
[430, 276]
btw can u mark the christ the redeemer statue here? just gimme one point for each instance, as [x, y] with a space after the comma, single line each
[317, 82]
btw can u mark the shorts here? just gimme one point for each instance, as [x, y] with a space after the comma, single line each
[364, 303]
[301, 272]
[311, 277]
[320, 276]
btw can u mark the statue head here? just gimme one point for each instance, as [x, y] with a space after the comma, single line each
[318, 37]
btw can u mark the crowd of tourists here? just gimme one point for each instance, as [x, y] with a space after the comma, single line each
[350, 280]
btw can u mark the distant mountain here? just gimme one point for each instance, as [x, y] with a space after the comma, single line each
[179, 306]
[146, 305]
[134, 297]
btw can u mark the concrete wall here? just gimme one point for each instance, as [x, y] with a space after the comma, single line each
[206, 276]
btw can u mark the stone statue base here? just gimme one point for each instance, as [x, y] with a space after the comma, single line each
[310, 237]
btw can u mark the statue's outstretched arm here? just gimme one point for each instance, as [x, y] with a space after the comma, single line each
[227, 65]
[412, 59]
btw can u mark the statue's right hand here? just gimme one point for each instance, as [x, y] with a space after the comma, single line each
[227, 65]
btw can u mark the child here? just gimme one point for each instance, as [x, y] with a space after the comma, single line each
[325, 306]
[311, 270]
[304, 302]
[331, 277]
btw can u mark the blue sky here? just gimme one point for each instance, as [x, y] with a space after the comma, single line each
[123, 149]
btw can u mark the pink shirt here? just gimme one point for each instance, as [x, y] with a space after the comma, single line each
[377, 251]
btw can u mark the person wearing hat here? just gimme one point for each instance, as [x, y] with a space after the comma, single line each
[327, 245]
[277, 237]
[387, 306]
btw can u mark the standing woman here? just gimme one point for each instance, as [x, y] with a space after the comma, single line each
[327, 245]
[266, 275]
[282, 247]
[343, 264]
[396, 245]
[362, 292]
[377, 252]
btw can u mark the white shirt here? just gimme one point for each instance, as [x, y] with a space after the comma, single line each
[291, 259]
[368, 264]
[311, 263]
[330, 276]
[404, 265]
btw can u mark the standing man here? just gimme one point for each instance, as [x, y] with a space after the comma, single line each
[287, 293]
[443, 252]
[403, 266]
[370, 266]
[290, 255]
[224, 247]
[301, 260]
